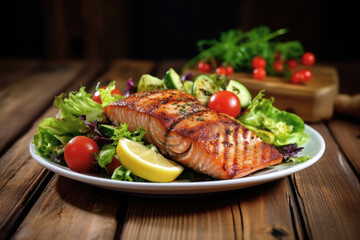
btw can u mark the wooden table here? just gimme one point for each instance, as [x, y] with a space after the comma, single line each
[320, 202]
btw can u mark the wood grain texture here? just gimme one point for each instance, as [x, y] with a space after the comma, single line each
[26, 100]
[260, 212]
[11, 71]
[71, 210]
[269, 211]
[183, 218]
[20, 176]
[328, 193]
[347, 134]
[121, 70]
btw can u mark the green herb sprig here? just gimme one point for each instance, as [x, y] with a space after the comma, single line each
[237, 48]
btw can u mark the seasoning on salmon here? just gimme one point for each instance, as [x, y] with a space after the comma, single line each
[193, 135]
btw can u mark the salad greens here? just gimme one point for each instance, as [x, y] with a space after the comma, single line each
[109, 150]
[79, 114]
[238, 48]
[54, 133]
[274, 126]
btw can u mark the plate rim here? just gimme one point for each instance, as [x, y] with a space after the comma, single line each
[185, 187]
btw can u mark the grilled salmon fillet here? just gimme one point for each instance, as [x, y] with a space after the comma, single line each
[193, 135]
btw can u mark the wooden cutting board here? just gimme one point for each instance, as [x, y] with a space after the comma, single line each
[312, 101]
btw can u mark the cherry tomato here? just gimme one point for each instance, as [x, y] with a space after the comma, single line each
[113, 165]
[96, 96]
[298, 77]
[307, 74]
[278, 66]
[204, 67]
[292, 63]
[80, 154]
[225, 102]
[229, 70]
[221, 70]
[308, 59]
[258, 62]
[259, 73]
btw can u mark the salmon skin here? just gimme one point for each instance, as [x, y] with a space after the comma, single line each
[193, 135]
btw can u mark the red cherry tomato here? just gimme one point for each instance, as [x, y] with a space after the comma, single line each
[80, 154]
[259, 73]
[258, 62]
[204, 67]
[292, 63]
[221, 70]
[278, 66]
[113, 165]
[96, 96]
[307, 74]
[298, 77]
[308, 59]
[229, 70]
[225, 102]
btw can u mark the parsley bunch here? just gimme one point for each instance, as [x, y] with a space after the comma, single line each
[237, 48]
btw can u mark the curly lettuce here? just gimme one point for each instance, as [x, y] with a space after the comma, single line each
[53, 133]
[274, 126]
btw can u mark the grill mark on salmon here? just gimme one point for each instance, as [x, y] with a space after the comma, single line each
[193, 135]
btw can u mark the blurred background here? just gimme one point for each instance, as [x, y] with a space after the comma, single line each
[158, 30]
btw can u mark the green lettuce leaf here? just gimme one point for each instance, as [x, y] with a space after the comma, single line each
[106, 155]
[123, 131]
[53, 134]
[274, 126]
[77, 104]
[299, 159]
[123, 174]
[107, 97]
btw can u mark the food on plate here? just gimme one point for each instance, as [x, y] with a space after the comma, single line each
[138, 136]
[146, 163]
[195, 136]
[225, 102]
[80, 153]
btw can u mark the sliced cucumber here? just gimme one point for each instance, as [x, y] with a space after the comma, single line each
[241, 91]
[172, 80]
[220, 80]
[148, 83]
[107, 130]
[188, 86]
[204, 86]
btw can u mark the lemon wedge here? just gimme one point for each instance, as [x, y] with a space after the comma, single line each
[146, 163]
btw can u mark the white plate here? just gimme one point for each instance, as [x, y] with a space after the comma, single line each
[315, 147]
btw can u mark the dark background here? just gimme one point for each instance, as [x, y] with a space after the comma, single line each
[158, 30]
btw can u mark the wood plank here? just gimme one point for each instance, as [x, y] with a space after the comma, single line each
[21, 178]
[26, 100]
[122, 70]
[220, 216]
[71, 210]
[14, 70]
[328, 194]
[347, 135]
